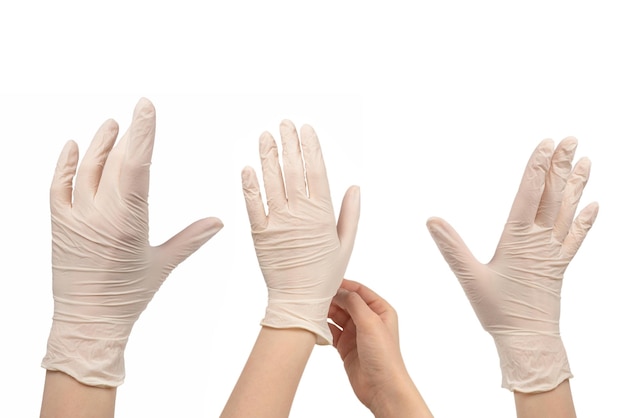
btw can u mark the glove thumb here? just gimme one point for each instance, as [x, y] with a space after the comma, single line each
[175, 250]
[454, 251]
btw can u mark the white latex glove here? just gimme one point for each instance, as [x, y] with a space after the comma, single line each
[104, 270]
[516, 296]
[302, 253]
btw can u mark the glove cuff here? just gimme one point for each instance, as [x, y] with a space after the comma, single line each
[305, 314]
[532, 363]
[75, 350]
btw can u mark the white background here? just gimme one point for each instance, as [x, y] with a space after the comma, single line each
[433, 108]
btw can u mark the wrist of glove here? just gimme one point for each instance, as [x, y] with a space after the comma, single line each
[91, 353]
[532, 363]
[309, 314]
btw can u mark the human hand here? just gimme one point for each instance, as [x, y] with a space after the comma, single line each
[367, 339]
[516, 296]
[105, 271]
[302, 253]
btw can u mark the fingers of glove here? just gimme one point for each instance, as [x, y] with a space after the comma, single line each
[556, 179]
[582, 224]
[524, 209]
[454, 251]
[175, 250]
[90, 170]
[254, 201]
[293, 167]
[135, 168]
[571, 197]
[272, 174]
[349, 219]
[61, 187]
[316, 177]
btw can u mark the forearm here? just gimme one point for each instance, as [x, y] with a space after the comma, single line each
[400, 400]
[557, 403]
[65, 397]
[269, 380]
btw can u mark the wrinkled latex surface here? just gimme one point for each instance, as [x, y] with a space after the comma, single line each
[105, 272]
[516, 296]
[302, 253]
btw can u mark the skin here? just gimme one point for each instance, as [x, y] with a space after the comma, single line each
[63, 396]
[557, 403]
[367, 338]
[268, 382]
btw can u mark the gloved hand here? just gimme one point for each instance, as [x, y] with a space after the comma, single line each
[302, 253]
[104, 269]
[516, 296]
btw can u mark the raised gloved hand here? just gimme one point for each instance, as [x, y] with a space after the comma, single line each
[302, 253]
[104, 269]
[516, 296]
